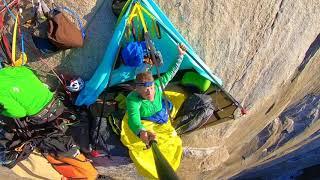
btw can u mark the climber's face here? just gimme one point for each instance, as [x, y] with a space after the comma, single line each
[146, 90]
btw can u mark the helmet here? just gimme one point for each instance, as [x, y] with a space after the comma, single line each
[75, 84]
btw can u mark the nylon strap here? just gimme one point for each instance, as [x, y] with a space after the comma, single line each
[138, 11]
[14, 41]
[143, 22]
[132, 13]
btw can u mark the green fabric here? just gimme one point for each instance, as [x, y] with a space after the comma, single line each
[22, 93]
[121, 100]
[138, 107]
[195, 80]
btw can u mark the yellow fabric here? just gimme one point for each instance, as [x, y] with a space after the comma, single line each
[143, 22]
[36, 167]
[169, 142]
[14, 40]
[137, 11]
[133, 13]
[22, 60]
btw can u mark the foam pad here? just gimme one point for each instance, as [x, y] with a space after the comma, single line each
[193, 79]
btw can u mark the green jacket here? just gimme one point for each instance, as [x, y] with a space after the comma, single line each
[22, 93]
[138, 107]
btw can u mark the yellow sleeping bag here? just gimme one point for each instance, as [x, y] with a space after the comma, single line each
[169, 142]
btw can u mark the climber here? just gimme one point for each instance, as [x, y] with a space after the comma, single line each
[146, 101]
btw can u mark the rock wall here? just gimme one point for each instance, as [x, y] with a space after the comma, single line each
[286, 128]
[295, 122]
[254, 46]
[266, 53]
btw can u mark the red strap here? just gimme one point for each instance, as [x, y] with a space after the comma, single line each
[7, 49]
[244, 111]
[1, 22]
[4, 39]
[11, 4]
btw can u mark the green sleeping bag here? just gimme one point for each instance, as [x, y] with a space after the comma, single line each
[192, 79]
[22, 93]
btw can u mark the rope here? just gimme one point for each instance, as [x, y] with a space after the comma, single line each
[10, 12]
[43, 61]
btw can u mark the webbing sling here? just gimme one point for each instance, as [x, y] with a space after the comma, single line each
[23, 57]
[14, 41]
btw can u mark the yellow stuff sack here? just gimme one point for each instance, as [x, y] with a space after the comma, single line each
[35, 167]
[169, 142]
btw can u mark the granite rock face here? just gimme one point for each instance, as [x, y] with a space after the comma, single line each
[266, 52]
[254, 46]
[274, 147]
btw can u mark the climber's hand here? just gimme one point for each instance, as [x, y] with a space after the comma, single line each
[147, 136]
[182, 49]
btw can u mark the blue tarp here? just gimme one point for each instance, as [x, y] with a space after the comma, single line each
[167, 45]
